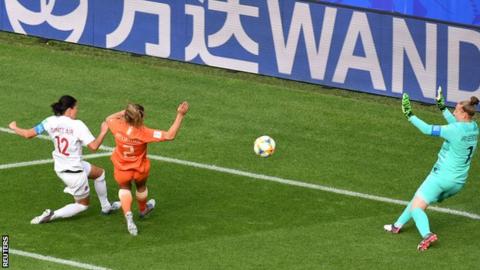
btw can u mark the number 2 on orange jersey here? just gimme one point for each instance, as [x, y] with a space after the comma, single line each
[129, 151]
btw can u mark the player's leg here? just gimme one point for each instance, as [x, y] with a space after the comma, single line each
[97, 174]
[435, 190]
[429, 192]
[76, 185]
[141, 177]
[144, 206]
[419, 205]
[419, 216]
[125, 195]
[401, 221]
[141, 194]
[81, 193]
[72, 209]
[406, 214]
[428, 189]
[123, 179]
[67, 211]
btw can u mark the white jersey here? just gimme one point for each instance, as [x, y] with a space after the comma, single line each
[68, 137]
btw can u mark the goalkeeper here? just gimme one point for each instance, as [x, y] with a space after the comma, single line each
[450, 172]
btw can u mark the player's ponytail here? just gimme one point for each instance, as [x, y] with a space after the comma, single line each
[474, 101]
[63, 104]
[134, 114]
[469, 106]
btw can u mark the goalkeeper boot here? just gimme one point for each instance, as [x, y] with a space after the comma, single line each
[131, 227]
[427, 241]
[150, 206]
[391, 228]
[43, 218]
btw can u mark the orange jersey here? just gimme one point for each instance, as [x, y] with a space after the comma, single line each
[131, 145]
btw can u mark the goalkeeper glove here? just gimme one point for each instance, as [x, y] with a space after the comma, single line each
[440, 99]
[406, 106]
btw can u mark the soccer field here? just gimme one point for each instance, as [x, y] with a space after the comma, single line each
[218, 206]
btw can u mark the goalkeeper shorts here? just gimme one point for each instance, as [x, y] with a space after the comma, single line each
[434, 189]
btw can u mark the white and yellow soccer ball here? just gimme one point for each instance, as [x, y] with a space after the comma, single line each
[264, 146]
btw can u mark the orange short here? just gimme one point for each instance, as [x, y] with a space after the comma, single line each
[137, 175]
[125, 177]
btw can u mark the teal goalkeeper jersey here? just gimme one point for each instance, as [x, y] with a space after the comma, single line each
[458, 148]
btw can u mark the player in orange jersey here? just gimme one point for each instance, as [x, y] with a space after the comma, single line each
[129, 158]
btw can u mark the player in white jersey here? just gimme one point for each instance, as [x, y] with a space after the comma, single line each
[69, 135]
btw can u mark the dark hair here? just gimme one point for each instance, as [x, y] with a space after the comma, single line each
[469, 105]
[134, 114]
[63, 104]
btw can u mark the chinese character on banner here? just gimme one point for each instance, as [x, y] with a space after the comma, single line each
[130, 8]
[74, 21]
[231, 28]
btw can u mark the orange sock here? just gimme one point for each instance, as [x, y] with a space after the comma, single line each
[125, 196]
[142, 199]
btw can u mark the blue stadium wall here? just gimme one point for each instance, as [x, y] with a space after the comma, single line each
[305, 41]
[456, 11]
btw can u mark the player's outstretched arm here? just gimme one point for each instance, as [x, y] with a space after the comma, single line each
[181, 111]
[443, 108]
[425, 128]
[26, 133]
[93, 146]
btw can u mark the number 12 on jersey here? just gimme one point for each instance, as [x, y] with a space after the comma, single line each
[62, 145]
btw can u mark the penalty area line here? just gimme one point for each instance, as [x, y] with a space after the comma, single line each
[290, 182]
[56, 260]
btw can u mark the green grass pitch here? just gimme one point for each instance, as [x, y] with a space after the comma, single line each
[213, 220]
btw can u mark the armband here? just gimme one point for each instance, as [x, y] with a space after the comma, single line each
[39, 129]
[436, 131]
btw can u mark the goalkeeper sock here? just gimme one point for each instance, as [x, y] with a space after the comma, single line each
[404, 217]
[69, 210]
[101, 190]
[125, 196]
[421, 221]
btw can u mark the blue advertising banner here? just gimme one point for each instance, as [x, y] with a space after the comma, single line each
[2, 8]
[456, 11]
[304, 41]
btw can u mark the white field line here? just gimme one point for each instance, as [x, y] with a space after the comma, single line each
[308, 185]
[46, 161]
[292, 182]
[56, 260]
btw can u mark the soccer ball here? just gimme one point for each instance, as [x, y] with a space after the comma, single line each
[264, 146]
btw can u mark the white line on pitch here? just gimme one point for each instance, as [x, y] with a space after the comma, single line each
[291, 182]
[308, 185]
[56, 260]
[46, 161]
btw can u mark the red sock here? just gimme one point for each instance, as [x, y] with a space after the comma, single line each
[142, 199]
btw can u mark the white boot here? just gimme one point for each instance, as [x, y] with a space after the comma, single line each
[132, 228]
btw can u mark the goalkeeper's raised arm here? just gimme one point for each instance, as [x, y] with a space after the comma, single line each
[425, 128]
